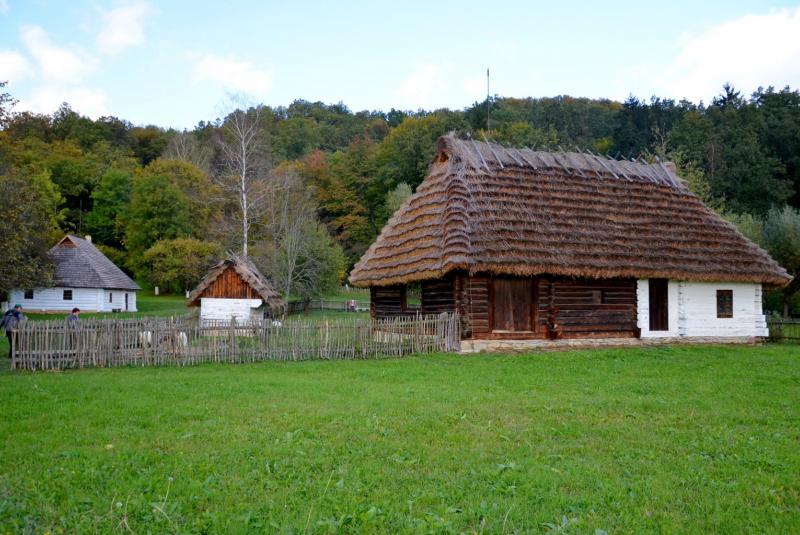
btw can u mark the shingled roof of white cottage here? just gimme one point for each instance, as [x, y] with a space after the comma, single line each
[487, 208]
[79, 264]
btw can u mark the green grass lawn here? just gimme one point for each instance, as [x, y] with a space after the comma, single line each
[662, 440]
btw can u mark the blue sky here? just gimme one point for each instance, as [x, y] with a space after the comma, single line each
[171, 63]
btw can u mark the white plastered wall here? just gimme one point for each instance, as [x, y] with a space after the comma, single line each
[86, 299]
[212, 309]
[115, 300]
[693, 310]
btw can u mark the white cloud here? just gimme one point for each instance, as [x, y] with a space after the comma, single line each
[124, 27]
[86, 100]
[425, 85]
[14, 67]
[56, 64]
[231, 74]
[4, 7]
[755, 50]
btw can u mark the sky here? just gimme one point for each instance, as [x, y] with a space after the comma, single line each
[173, 63]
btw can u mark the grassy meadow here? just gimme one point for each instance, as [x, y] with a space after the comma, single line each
[662, 440]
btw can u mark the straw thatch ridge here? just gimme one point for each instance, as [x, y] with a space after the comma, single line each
[249, 273]
[486, 208]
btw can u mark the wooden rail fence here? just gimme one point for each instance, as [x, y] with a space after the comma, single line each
[181, 341]
[787, 331]
[353, 289]
[296, 307]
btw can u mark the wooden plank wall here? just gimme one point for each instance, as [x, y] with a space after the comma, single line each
[590, 308]
[438, 296]
[230, 285]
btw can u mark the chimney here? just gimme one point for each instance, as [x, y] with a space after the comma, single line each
[88, 238]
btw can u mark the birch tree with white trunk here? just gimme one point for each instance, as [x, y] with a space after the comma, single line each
[243, 169]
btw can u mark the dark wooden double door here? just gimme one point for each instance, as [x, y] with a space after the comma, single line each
[513, 305]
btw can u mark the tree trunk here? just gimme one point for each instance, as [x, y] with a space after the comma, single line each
[786, 298]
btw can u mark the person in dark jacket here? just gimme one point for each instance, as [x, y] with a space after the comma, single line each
[10, 321]
[75, 316]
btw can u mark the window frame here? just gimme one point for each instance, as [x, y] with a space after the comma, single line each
[28, 293]
[726, 310]
[64, 295]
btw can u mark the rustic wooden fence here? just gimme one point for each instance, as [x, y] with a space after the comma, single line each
[352, 289]
[181, 341]
[296, 307]
[786, 331]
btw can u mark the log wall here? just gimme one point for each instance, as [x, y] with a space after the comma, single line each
[387, 301]
[438, 296]
[589, 308]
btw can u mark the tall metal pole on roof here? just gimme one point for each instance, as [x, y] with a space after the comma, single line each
[488, 106]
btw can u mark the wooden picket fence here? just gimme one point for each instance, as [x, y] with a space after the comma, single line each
[182, 341]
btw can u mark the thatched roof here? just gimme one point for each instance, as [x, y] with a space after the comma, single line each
[79, 264]
[261, 287]
[485, 208]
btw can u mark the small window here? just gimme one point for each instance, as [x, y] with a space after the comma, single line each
[67, 295]
[28, 294]
[724, 303]
[110, 298]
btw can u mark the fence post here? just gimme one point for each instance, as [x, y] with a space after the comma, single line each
[232, 335]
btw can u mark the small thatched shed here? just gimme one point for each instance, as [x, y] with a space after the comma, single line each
[535, 244]
[235, 288]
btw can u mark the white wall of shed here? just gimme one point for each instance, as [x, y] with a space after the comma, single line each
[693, 310]
[212, 309]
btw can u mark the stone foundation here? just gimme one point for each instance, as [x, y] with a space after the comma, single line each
[514, 346]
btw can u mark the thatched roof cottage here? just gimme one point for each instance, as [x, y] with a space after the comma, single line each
[84, 278]
[235, 288]
[532, 245]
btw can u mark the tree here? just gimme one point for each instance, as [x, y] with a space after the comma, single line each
[157, 211]
[183, 261]
[243, 166]
[199, 192]
[781, 235]
[30, 208]
[396, 198]
[298, 252]
[186, 146]
[110, 200]
[6, 104]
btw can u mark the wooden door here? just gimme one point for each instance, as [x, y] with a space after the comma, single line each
[126, 302]
[512, 305]
[659, 304]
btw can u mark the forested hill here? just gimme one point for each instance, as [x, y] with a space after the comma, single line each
[152, 196]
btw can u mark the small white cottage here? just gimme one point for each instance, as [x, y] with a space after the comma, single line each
[82, 278]
[235, 288]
